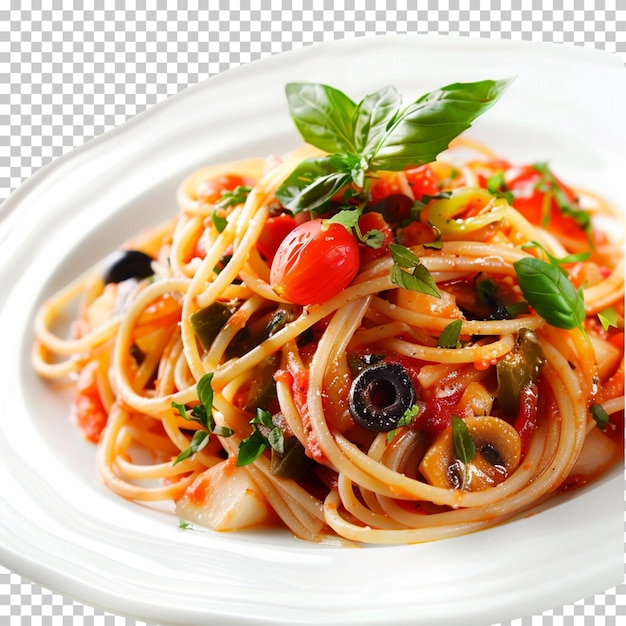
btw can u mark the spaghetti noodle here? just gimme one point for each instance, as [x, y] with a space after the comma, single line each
[432, 395]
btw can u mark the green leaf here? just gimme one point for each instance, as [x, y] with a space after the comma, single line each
[407, 417]
[219, 222]
[558, 261]
[403, 256]
[485, 289]
[263, 417]
[251, 448]
[374, 238]
[276, 440]
[609, 317]
[496, 186]
[419, 279]
[323, 115]
[600, 415]
[313, 183]
[203, 414]
[426, 127]
[548, 290]
[238, 195]
[449, 337]
[464, 447]
[348, 218]
[198, 442]
[372, 116]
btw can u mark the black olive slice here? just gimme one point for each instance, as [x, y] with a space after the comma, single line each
[125, 264]
[380, 395]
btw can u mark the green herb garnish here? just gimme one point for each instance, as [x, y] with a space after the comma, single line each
[496, 186]
[549, 185]
[219, 221]
[252, 447]
[600, 415]
[376, 133]
[407, 417]
[449, 337]
[203, 414]
[238, 195]
[464, 447]
[410, 273]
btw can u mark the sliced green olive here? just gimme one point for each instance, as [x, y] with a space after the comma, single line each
[125, 264]
[208, 322]
[517, 369]
[380, 395]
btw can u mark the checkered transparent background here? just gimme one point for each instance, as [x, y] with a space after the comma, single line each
[68, 75]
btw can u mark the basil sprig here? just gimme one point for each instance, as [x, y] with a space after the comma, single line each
[374, 134]
[265, 434]
[410, 273]
[203, 414]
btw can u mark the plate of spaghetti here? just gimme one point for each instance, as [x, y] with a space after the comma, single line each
[351, 350]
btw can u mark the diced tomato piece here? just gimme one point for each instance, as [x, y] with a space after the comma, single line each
[211, 190]
[88, 410]
[423, 181]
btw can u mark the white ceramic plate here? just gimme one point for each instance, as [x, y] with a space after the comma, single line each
[60, 527]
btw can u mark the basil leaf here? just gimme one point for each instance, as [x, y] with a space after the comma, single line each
[406, 419]
[323, 115]
[600, 415]
[426, 127]
[449, 337]
[204, 390]
[198, 442]
[263, 417]
[485, 289]
[219, 222]
[548, 290]
[313, 183]
[419, 279]
[374, 238]
[558, 261]
[238, 195]
[496, 186]
[403, 256]
[372, 117]
[251, 448]
[464, 447]
[276, 440]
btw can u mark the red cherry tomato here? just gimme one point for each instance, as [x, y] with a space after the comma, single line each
[274, 231]
[374, 221]
[314, 262]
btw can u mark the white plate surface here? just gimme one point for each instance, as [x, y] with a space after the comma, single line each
[60, 527]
